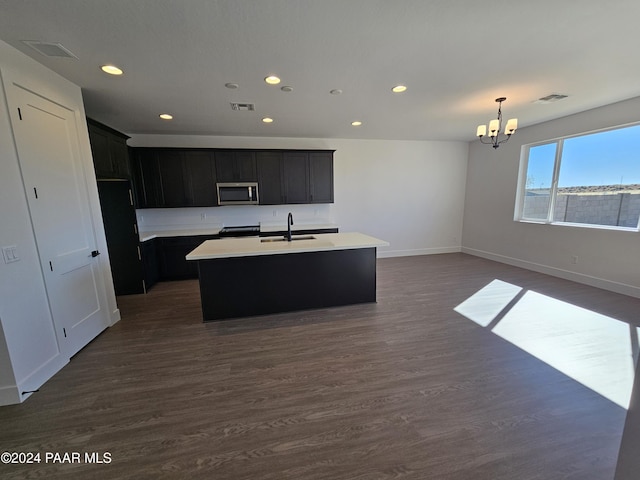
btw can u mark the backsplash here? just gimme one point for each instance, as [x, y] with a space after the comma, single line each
[154, 219]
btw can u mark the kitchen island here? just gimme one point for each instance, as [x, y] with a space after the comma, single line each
[242, 277]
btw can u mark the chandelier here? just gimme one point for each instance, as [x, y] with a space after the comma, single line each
[495, 128]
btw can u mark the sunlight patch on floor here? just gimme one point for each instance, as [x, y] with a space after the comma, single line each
[595, 350]
[484, 306]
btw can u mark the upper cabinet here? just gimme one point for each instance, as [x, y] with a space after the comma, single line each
[172, 177]
[293, 176]
[178, 177]
[109, 150]
[270, 188]
[236, 166]
[200, 171]
[320, 177]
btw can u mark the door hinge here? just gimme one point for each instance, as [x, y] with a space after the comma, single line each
[64, 330]
[19, 113]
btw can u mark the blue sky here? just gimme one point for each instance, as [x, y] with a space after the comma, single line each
[605, 158]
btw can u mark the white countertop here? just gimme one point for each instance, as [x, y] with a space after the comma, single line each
[253, 246]
[275, 227]
[144, 236]
[264, 228]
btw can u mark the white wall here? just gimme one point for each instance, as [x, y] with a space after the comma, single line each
[408, 193]
[27, 336]
[606, 258]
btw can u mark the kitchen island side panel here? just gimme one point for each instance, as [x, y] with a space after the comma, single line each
[257, 285]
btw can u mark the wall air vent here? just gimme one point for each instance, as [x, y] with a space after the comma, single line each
[243, 107]
[49, 49]
[554, 97]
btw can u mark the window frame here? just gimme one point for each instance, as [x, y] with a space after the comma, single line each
[553, 189]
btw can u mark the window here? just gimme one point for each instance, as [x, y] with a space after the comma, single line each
[591, 179]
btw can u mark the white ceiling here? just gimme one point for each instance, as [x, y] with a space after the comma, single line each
[455, 56]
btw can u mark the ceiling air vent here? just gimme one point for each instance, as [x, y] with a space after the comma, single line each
[49, 49]
[554, 97]
[243, 107]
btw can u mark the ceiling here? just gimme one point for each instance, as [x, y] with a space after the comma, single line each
[454, 56]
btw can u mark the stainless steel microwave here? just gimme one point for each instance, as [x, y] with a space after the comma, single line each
[243, 193]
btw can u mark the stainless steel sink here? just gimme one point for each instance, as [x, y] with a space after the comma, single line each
[284, 239]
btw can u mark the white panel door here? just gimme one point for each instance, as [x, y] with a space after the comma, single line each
[46, 137]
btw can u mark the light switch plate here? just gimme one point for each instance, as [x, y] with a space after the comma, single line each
[10, 254]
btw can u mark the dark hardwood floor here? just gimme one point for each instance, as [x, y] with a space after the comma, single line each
[405, 388]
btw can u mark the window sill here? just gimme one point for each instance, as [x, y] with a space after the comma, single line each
[580, 225]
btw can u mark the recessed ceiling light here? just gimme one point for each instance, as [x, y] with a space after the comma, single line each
[267, 120]
[232, 86]
[111, 69]
[335, 91]
[272, 80]
[399, 89]
[357, 123]
[166, 116]
[286, 88]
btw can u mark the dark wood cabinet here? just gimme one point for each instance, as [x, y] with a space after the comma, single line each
[320, 177]
[149, 251]
[236, 166]
[270, 187]
[295, 176]
[146, 177]
[109, 150]
[184, 177]
[167, 177]
[121, 232]
[173, 184]
[171, 252]
[200, 170]
[171, 255]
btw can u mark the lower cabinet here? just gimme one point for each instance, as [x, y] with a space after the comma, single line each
[171, 256]
[164, 257]
[150, 266]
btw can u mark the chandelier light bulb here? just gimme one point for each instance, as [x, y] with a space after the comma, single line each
[495, 127]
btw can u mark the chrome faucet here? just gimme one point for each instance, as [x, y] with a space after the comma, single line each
[289, 223]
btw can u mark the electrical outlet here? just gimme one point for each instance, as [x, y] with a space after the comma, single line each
[203, 216]
[574, 259]
[275, 213]
[10, 254]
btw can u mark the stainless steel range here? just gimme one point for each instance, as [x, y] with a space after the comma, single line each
[240, 231]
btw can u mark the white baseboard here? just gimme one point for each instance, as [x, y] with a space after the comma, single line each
[13, 394]
[612, 286]
[115, 317]
[9, 395]
[418, 251]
